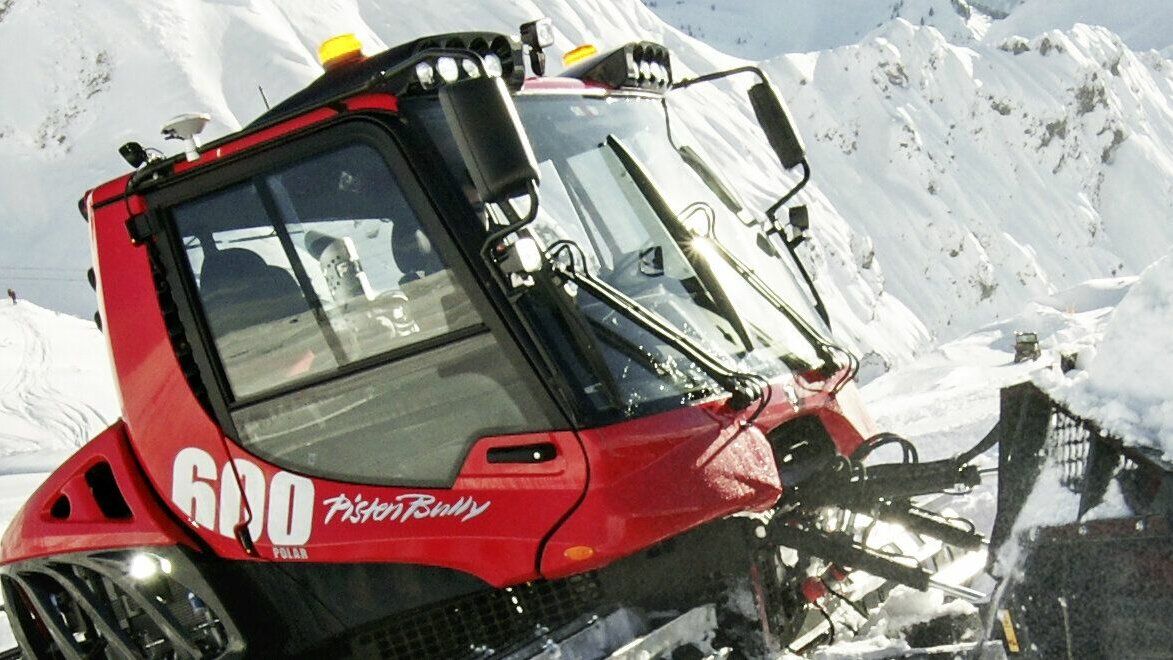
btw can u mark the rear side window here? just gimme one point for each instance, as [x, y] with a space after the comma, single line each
[349, 348]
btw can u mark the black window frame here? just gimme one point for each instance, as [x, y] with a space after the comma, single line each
[384, 134]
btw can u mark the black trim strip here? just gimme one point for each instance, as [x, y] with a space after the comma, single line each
[277, 219]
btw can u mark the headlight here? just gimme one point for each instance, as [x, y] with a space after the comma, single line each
[493, 65]
[447, 68]
[425, 74]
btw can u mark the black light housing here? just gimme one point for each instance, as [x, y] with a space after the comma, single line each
[640, 64]
[501, 56]
[134, 154]
[538, 35]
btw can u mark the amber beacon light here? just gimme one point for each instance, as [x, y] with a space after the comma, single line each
[339, 50]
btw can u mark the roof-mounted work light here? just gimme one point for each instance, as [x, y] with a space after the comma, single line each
[538, 35]
[642, 64]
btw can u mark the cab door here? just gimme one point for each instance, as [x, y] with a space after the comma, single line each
[375, 407]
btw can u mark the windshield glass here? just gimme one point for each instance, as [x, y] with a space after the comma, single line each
[590, 196]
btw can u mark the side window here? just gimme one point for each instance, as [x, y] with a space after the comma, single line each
[347, 270]
[350, 348]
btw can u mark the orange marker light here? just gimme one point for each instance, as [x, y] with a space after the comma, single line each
[579, 553]
[339, 50]
[578, 54]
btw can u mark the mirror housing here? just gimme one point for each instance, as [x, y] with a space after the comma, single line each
[492, 141]
[774, 117]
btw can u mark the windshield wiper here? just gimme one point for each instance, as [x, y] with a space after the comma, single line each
[821, 346]
[682, 235]
[565, 257]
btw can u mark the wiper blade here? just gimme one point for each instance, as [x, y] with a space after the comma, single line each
[759, 285]
[565, 257]
[682, 234]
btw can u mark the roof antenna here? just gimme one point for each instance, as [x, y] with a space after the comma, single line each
[186, 127]
[263, 97]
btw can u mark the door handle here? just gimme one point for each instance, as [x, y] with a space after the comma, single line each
[537, 453]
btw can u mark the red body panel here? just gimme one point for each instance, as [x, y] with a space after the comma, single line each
[612, 490]
[655, 477]
[36, 532]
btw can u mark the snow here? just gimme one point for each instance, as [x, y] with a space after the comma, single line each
[1143, 24]
[953, 180]
[56, 392]
[973, 176]
[1126, 386]
[761, 29]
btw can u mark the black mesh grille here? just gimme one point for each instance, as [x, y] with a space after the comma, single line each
[1089, 459]
[92, 609]
[479, 625]
[1068, 444]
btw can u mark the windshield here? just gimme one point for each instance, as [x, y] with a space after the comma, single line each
[590, 196]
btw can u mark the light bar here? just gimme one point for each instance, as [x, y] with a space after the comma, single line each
[641, 64]
[500, 58]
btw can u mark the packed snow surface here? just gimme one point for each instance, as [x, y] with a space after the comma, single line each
[56, 392]
[1127, 386]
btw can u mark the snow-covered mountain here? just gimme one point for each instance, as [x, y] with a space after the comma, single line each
[987, 174]
[978, 168]
[56, 392]
[762, 29]
[956, 175]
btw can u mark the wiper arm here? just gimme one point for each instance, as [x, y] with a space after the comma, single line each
[681, 234]
[821, 345]
[565, 258]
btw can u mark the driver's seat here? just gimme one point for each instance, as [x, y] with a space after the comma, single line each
[239, 290]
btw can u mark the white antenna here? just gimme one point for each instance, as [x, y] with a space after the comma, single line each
[186, 127]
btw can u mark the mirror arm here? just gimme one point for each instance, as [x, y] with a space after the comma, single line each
[772, 212]
[717, 75]
[516, 223]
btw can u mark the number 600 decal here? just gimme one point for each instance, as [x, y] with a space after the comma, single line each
[290, 498]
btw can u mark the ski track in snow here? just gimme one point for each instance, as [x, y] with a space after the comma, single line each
[57, 421]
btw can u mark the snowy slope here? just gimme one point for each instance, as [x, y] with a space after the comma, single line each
[988, 174]
[83, 92]
[1142, 24]
[56, 393]
[761, 29]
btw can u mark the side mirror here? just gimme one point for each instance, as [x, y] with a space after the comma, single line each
[774, 118]
[491, 139]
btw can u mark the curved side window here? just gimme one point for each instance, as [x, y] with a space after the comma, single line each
[348, 346]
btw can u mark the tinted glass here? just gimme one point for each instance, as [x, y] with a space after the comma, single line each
[351, 349]
[344, 266]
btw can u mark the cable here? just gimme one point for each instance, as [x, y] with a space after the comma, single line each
[881, 439]
[859, 609]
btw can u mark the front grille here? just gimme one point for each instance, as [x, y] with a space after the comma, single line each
[480, 625]
[1089, 459]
